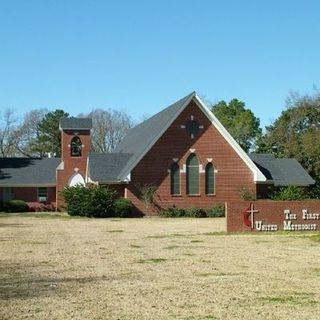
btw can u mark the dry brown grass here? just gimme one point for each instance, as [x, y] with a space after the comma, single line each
[153, 269]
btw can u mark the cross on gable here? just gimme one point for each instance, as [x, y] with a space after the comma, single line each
[192, 127]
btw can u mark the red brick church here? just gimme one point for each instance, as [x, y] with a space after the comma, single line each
[183, 150]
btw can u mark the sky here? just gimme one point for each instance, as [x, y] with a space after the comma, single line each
[141, 56]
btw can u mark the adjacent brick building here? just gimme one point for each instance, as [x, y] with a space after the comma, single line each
[183, 151]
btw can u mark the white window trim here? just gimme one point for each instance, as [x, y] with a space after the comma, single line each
[38, 196]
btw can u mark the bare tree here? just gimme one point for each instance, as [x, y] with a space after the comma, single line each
[8, 137]
[109, 128]
[28, 132]
[20, 137]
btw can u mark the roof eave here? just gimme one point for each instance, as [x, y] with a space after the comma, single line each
[60, 128]
[294, 184]
[27, 185]
[112, 182]
[258, 176]
[265, 182]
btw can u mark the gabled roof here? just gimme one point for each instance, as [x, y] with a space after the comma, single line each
[104, 168]
[283, 171]
[141, 138]
[28, 171]
[73, 123]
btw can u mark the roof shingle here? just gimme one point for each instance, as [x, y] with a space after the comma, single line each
[282, 171]
[73, 123]
[106, 167]
[28, 171]
[141, 136]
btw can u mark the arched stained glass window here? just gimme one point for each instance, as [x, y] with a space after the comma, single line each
[192, 175]
[175, 179]
[210, 179]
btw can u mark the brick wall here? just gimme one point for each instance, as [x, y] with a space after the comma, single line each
[270, 212]
[232, 175]
[118, 188]
[30, 194]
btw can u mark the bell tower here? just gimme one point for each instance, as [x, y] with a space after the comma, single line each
[75, 149]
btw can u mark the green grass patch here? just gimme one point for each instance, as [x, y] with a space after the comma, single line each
[47, 263]
[115, 231]
[43, 215]
[35, 242]
[171, 235]
[205, 261]
[189, 254]
[209, 317]
[153, 260]
[171, 247]
[296, 234]
[298, 298]
[216, 233]
[210, 274]
[316, 272]
[196, 241]
[261, 241]
[158, 236]
[135, 246]
[315, 237]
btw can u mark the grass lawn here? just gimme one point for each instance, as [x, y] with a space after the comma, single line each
[61, 268]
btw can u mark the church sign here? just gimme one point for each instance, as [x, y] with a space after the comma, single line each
[273, 216]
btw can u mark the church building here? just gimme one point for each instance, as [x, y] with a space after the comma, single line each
[183, 151]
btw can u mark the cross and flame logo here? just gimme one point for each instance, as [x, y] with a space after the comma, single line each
[248, 216]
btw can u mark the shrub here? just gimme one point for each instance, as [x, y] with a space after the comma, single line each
[146, 194]
[196, 213]
[173, 212]
[94, 201]
[123, 208]
[218, 210]
[289, 193]
[101, 202]
[77, 199]
[247, 194]
[40, 207]
[314, 190]
[1, 206]
[15, 206]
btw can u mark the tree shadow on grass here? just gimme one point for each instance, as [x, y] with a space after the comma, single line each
[14, 225]
[24, 282]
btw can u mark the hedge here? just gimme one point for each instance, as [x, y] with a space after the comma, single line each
[123, 208]
[217, 210]
[289, 193]
[14, 206]
[174, 212]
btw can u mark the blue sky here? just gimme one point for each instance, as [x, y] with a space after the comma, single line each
[139, 56]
